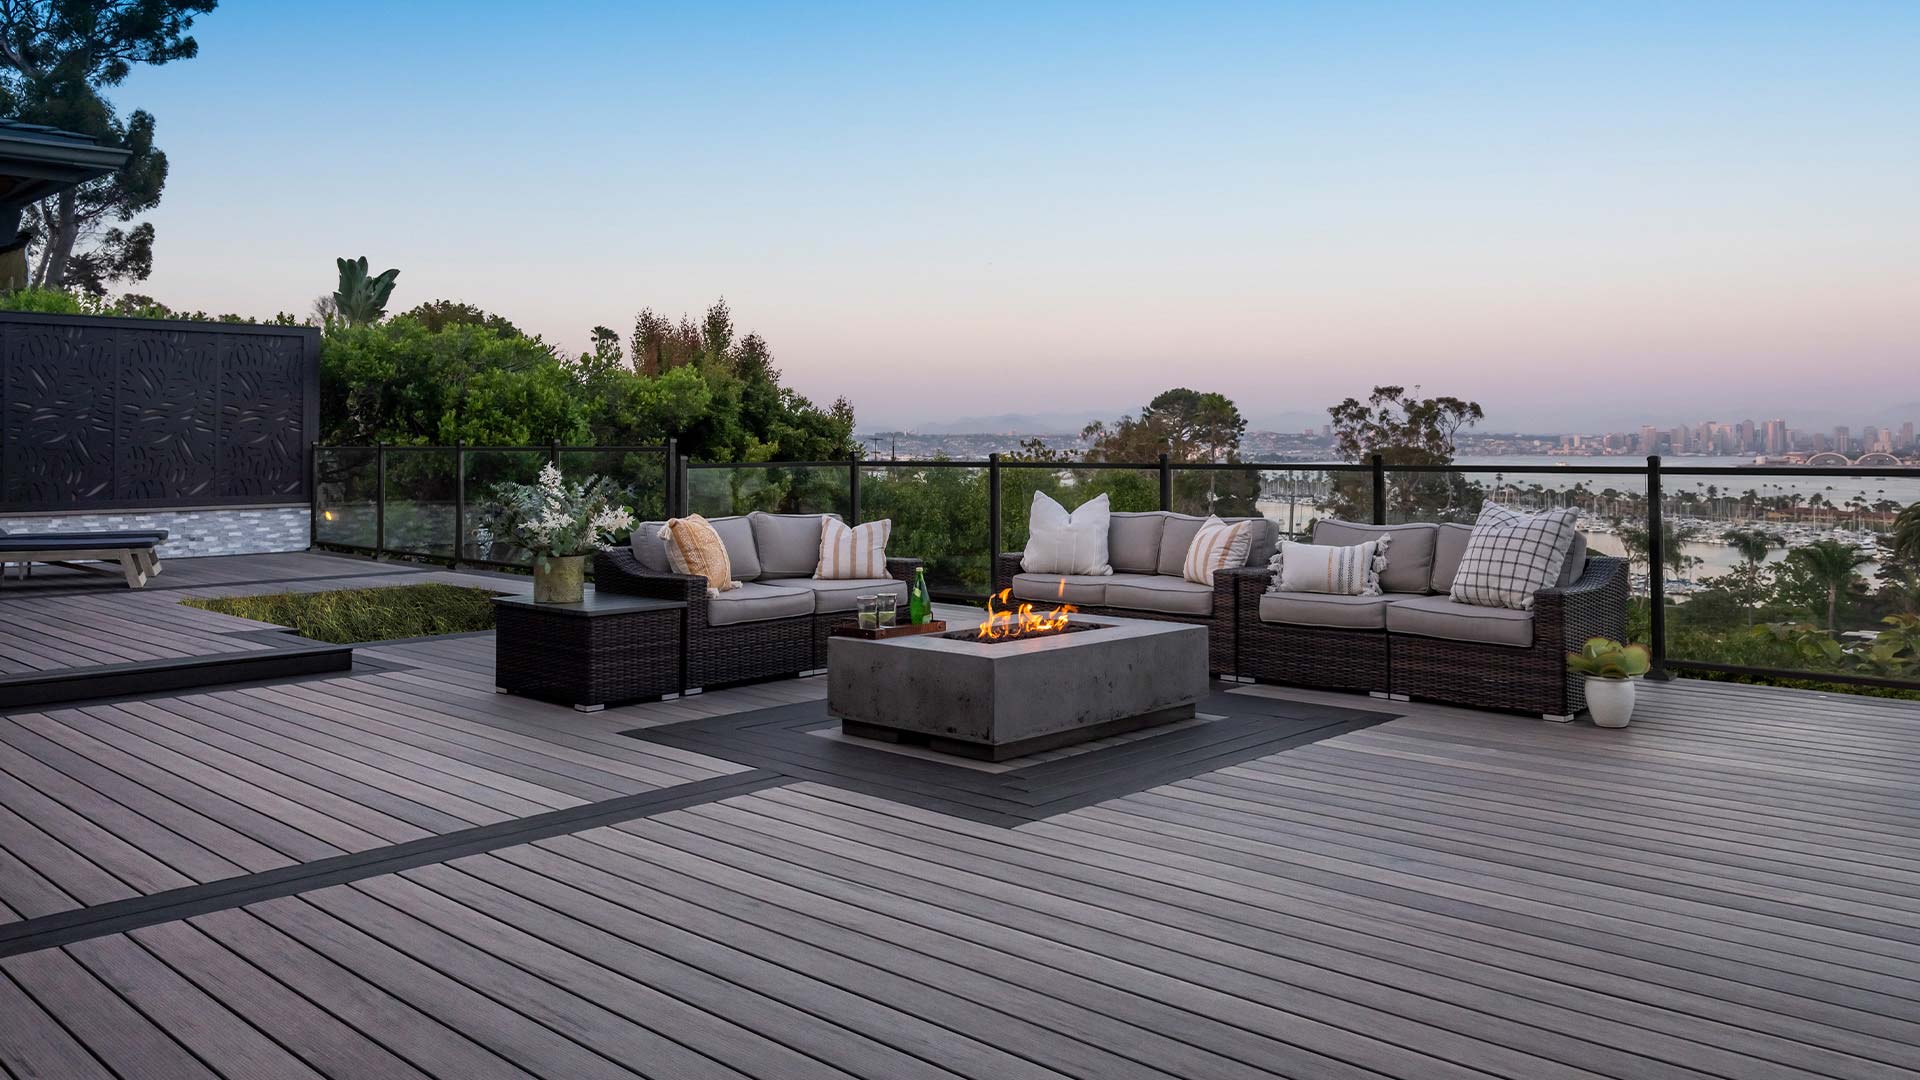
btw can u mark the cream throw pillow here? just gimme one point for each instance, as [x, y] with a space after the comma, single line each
[694, 548]
[1063, 543]
[1217, 546]
[1341, 570]
[851, 552]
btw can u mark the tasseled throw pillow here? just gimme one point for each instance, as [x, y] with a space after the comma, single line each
[1512, 555]
[851, 552]
[1343, 570]
[694, 548]
[1217, 546]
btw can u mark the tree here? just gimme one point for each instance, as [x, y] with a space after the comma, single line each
[1403, 429]
[1191, 428]
[1637, 540]
[1751, 544]
[1906, 534]
[55, 58]
[437, 315]
[362, 299]
[1831, 565]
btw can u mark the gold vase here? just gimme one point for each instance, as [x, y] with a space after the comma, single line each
[559, 579]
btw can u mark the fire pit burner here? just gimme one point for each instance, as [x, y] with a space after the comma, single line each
[1029, 635]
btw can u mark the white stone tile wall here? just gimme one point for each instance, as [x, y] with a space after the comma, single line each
[249, 531]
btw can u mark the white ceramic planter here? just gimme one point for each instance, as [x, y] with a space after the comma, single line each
[1610, 701]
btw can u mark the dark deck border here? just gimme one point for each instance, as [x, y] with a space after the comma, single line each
[120, 916]
[300, 657]
[776, 740]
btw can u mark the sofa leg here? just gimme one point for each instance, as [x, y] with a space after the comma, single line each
[1557, 719]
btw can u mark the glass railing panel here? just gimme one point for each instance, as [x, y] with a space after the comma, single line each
[640, 473]
[346, 496]
[1794, 571]
[421, 492]
[485, 470]
[1290, 497]
[722, 491]
[939, 515]
[1069, 485]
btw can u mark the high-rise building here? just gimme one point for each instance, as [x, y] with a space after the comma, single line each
[1842, 441]
[1906, 435]
[1748, 430]
[1774, 439]
[1649, 439]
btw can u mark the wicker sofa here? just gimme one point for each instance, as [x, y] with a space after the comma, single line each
[777, 622]
[1414, 641]
[1148, 552]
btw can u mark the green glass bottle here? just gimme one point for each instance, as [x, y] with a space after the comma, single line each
[919, 604]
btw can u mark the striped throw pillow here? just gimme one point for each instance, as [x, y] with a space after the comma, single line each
[1338, 569]
[694, 548]
[851, 552]
[1217, 546]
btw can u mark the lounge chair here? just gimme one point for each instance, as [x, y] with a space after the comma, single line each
[132, 550]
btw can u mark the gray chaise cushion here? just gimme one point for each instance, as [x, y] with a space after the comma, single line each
[1409, 553]
[1180, 530]
[736, 535]
[756, 601]
[1449, 544]
[1082, 590]
[1440, 617]
[1159, 593]
[1133, 542]
[788, 544]
[843, 594]
[1326, 609]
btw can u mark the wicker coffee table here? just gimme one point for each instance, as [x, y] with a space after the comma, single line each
[604, 650]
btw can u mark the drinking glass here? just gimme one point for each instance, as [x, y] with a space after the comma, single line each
[869, 612]
[886, 605]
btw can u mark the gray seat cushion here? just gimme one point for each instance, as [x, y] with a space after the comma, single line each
[1082, 590]
[756, 602]
[788, 544]
[1133, 542]
[1159, 593]
[1449, 545]
[842, 594]
[1440, 617]
[1178, 535]
[1409, 552]
[1326, 609]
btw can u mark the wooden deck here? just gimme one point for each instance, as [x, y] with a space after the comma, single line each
[396, 872]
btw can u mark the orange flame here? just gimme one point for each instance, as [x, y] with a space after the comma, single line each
[1005, 622]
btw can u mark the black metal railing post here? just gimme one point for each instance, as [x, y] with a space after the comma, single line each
[1656, 573]
[1166, 482]
[682, 496]
[553, 454]
[1379, 490]
[853, 489]
[379, 500]
[313, 495]
[993, 517]
[459, 501]
[672, 478]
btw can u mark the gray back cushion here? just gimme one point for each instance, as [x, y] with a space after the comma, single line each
[1133, 541]
[649, 548]
[1576, 560]
[1178, 537]
[1409, 553]
[736, 535]
[1449, 545]
[788, 544]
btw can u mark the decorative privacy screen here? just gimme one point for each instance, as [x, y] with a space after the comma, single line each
[100, 413]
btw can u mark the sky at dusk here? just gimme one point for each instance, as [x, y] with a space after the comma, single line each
[1582, 215]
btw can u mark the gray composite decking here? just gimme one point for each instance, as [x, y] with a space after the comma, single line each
[1730, 888]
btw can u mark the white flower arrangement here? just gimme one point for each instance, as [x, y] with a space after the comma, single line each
[557, 518]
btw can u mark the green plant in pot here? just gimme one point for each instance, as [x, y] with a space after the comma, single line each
[561, 523]
[1610, 668]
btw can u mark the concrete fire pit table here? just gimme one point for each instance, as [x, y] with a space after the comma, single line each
[1004, 699]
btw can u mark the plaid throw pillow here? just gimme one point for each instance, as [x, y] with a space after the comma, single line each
[1512, 555]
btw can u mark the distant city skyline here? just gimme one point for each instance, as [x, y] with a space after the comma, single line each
[1582, 217]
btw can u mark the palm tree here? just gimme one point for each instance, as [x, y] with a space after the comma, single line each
[1906, 533]
[1637, 539]
[1752, 544]
[1831, 564]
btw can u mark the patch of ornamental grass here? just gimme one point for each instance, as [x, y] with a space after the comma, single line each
[348, 616]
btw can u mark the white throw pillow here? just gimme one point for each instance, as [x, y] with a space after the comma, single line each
[848, 553]
[1342, 570]
[1063, 543]
[1216, 546]
[1512, 555]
